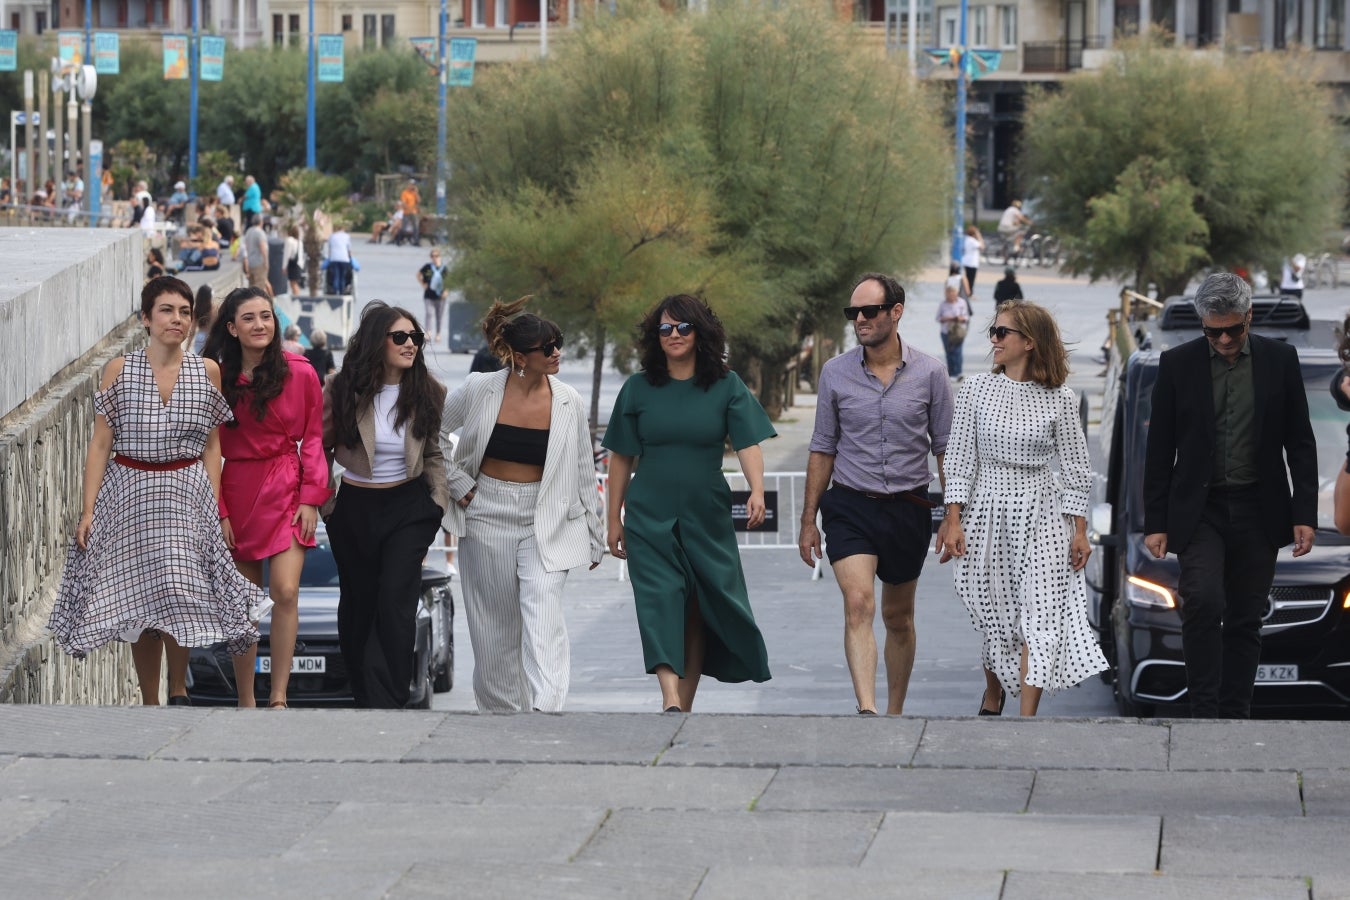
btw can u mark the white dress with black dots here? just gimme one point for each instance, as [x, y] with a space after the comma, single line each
[156, 558]
[1018, 460]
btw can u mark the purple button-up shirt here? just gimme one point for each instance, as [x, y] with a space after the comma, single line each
[880, 435]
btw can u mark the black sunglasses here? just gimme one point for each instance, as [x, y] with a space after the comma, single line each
[548, 349]
[402, 337]
[868, 312]
[1233, 331]
[684, 329]
[999, 332]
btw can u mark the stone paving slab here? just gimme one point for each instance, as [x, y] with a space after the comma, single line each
[975, 841]
[1331, 887]
[1045, 744]
[1167, 793]
[246, 876]
[1058, 886]
[910, 790]
[17, 817]
[792, 883]
[633, 738]
[305, 735]
[795, 740]
[33, 874]
[394, 833]
[105, 731]
[84, 780]
[1204, 845]
[1259, 745]
[1326, 793]
[633, 787]
[547, 881]
[733, 838]
[381, 782]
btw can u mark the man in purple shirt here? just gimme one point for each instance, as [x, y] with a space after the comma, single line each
[881, 409]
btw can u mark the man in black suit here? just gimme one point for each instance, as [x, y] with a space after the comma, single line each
[1229, 411]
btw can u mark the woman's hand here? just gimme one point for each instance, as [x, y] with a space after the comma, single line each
[307, 517]
[1080, 548]
[82, 530]
[615, 538]
[467, 498]
[951, 539]
[227, 531]
[754, 507]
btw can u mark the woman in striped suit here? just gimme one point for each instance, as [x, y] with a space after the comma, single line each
[527, 509]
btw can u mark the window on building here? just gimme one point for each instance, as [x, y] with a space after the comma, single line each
[278, 30]
[370, 37]
[39, 22]
[346, 23]
[479, 13]
[14, 21]
[293, 30]
[1329, 24]
[949, 26]
[206, 20]
[1007, 26]
[978, 26]
[1288, 23]
[386, 31]
[1127, 17]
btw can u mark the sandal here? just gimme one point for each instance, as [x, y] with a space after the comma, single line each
[277, 704]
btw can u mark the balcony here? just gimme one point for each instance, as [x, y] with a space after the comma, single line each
[1040, 57]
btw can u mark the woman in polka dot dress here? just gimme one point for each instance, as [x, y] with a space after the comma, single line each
[1018, 477]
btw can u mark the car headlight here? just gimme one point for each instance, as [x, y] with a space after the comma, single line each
[1146, 593]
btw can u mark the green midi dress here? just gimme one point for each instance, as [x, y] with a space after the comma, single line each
[677, 522]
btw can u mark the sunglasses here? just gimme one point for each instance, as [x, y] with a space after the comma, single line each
[548, 349]
[868, 312]
[402, 337]
[684, 329]
[999, 332]
[1233, 331]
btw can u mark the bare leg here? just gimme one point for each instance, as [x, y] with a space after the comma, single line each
[285, 593]
[670, 687]
[246, 662]
[694, 642]
[856, 575]
[145, 655]
[178, 666]
[1031, 696]
[897, 614]
[993, 692]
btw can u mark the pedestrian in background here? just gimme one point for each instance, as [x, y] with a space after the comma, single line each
[250, 207]
[486, 361]
[673, 523]
[290, 341]
[381, 421]
[527, 511]
[203, 314]
[293, 258]
[1228, 435]
[880, 409]
[953, 315]
[432, 279]
[270, 494]
[149, 563]
[339, 260]
[1291, 275]
[256, 254]
[1008, 288]
[1018, 478]
[972, 245]
[956, 278]
[319, 356]
[1340, 392]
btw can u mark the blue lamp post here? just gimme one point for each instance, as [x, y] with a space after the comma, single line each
[309, 81]
[958, 219]
[442, 76]
[194, 72]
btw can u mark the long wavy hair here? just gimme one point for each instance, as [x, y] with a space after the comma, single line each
[710, 341]
[510, 330]
[268, 378]
[1048, 364]
[362, 375]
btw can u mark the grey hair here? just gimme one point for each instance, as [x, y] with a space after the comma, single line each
[1222, 294]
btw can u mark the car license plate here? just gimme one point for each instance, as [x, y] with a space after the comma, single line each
[1268, 674]
[300, 665]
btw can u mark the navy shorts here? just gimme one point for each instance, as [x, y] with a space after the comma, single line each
[898, 533]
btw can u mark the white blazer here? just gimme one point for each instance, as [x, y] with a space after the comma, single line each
[567, 523]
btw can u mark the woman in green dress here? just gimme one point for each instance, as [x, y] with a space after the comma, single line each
[692, 610]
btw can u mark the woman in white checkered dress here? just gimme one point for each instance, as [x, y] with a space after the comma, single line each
[148, 560]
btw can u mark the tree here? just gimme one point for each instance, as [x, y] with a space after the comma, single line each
[816, 157]
[308, 194]
[1165, 162]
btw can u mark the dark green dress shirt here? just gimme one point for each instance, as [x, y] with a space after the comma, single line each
[1234, 418]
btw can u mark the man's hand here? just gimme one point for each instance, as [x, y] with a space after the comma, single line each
[808, 543]
[1304, 535]
[1156, 544]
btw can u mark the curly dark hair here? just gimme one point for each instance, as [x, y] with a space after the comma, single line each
[362, 375]
[268, 377]
[710, 342]
[509, 329]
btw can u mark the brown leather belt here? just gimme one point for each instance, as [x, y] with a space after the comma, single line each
[916, 496]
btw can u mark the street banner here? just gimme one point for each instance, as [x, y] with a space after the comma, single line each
[107, 53]
[175, 57]
[426, 48]
[70, 48]
[9, 51]
[213, 57]
[462, 53]
[330, 57]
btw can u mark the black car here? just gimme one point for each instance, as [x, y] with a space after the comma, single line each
[1305, 650]
[318, 673]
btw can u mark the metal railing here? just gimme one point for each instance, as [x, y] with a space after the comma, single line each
[1057, 56]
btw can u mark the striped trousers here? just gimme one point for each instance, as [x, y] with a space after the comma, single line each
[522, 659]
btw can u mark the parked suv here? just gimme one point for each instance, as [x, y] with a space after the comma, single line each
[1305, 648]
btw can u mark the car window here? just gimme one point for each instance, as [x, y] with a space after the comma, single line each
[320, 568]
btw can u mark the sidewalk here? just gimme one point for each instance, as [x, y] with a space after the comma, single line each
[104, 802]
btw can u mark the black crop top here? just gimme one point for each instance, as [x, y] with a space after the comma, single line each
[511, 443]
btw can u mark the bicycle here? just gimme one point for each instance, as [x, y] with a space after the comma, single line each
[1043, 248]
[1321, 271]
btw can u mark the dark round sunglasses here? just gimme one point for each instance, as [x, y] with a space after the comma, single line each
[1233, 331]
[684, 329]
[999, 332]
[402, 337]
[868, 312]
[548, 349]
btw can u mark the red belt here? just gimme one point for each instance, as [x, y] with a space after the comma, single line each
[154, 466]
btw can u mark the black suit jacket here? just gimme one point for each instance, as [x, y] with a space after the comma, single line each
[1179, 461]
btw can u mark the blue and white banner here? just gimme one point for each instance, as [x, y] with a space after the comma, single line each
[462, 53]
[213, 57]
[331, 48]
[107, 53]
[9, 51]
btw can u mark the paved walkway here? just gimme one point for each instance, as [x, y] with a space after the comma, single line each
[104, 802]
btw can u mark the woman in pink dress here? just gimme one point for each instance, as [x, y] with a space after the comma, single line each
[275, 476]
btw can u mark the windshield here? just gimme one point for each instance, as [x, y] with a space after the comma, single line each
[320, 568]
[1328, 424]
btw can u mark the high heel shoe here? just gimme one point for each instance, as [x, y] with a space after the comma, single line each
[1002, 698]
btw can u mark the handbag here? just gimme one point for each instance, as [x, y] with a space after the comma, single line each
[956, 332]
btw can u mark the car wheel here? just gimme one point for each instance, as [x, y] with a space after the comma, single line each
[445, 674]
[422, 689]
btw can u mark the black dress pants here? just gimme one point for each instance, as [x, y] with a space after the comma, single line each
[380, 537]
[1226, 573]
